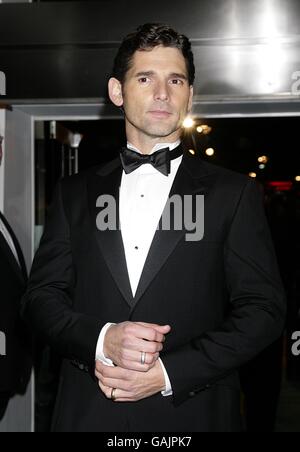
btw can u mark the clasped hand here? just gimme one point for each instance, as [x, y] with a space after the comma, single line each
[136, 375]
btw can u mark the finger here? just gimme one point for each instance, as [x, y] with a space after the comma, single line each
[140, 345]
[99, 365]
[147, 333]
[110, 382]
[106, 391]
[164, 329]
[117, 373]
[113, 383]
[104, 380]
[134, 356]
[131, 366]
[121, 395]
[123, 370]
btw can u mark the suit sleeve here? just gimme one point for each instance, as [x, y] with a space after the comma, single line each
[48, 303]
[257, 305]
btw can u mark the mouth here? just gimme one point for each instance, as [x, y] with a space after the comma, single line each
[160, 114]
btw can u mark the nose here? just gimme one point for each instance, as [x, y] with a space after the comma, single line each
[161, 91]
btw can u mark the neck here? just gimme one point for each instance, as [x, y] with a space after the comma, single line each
[145, 144]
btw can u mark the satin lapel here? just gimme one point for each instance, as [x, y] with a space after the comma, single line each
[107, 182]
[190, 179]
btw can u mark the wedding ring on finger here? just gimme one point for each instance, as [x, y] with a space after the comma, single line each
[143, 358]
[113, 394]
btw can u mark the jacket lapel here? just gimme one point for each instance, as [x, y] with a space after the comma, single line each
[192, 178]
[110, 242]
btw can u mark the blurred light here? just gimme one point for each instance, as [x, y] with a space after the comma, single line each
[262, 166]
[191, 151]
[253, 175]
[210, 152]
[271, 57]
[297, 178]
[206, 129]
[188, 123]
[281, 185]
[263, 159]
[199, 129]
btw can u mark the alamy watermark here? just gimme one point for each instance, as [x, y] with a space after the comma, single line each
[2, 344]
[180, 213]
[296, 85]
[2, 84]
[296, 344]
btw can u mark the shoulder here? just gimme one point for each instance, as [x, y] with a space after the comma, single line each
[227, 178]
[235, 189]
[227, 185]
[78, 181]
[221, 177]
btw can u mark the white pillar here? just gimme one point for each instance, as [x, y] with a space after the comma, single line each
[17, 197]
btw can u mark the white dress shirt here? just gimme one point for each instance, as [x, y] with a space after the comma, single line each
[143, 196]
[9, 240]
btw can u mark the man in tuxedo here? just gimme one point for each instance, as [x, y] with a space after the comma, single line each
[15, 361]
[167, 319]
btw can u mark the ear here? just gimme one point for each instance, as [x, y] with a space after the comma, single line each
[115, 92]
[190, 104]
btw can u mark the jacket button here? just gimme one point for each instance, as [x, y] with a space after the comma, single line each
[81, 366]
[192, 394]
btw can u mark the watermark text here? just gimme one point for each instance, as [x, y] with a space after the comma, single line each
[296, 344]
[180, 213]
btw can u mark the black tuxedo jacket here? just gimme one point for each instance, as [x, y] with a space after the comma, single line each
[15, 366]
[222, 296]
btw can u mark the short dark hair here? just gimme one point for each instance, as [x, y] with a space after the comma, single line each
[147, 37]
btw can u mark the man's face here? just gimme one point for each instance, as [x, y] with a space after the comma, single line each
[156, 95]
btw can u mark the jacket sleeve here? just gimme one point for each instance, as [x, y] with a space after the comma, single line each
[48, 303]
[257, 305]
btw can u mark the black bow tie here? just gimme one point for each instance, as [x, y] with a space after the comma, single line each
[161, 160]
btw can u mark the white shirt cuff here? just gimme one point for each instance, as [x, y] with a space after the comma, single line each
[100, 346]
[168, 391]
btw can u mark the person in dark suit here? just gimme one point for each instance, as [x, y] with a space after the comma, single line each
[152, 322]
[15, 355]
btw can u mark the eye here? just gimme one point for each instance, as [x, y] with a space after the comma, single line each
[143, 80]
[176, 81]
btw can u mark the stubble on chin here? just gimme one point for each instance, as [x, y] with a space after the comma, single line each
[160, 130]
